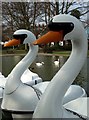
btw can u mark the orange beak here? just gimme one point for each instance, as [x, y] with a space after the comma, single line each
[13, 42]
[51, 36]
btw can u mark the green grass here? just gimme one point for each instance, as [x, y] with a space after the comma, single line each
[4, 52]
[11, 51]
[62, 52]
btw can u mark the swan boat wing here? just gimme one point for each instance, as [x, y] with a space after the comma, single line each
[82, 103]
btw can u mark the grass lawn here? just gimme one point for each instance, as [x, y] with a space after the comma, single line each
[62, 52]
[11, 51]
[20, 52]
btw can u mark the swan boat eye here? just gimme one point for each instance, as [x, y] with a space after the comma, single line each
[20, 36]
[65, 26]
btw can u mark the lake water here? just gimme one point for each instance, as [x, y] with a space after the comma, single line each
[48, 69]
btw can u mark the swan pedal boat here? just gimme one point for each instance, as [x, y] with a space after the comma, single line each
[32, 79]
[30, 94]
[64, 27]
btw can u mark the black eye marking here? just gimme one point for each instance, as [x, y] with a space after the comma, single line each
[65, 26]
[20, 36]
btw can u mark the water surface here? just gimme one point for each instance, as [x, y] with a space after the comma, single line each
[48, 69]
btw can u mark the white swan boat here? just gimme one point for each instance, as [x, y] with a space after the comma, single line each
[64, 27]
[20, 98]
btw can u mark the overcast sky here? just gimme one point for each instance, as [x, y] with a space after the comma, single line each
[44, 0]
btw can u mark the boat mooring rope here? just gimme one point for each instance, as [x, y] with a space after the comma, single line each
[80, 116]
[37, 91]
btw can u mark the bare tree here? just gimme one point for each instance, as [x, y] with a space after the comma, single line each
[17, 15]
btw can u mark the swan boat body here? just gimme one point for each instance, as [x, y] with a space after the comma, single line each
[17, 96]
[64, 27]
[27, 77]
[30, 94]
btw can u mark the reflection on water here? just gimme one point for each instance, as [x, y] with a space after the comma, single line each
[8, 63]
[49, 68]
[49, 65]
[45, 66]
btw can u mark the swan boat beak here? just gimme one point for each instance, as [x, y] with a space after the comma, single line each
[51, 36]
[12, 42]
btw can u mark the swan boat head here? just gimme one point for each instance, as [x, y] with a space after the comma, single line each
[17, 95]
[21, 36]
[62, 27]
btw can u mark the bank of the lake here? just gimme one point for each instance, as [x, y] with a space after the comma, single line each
[24, 52]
